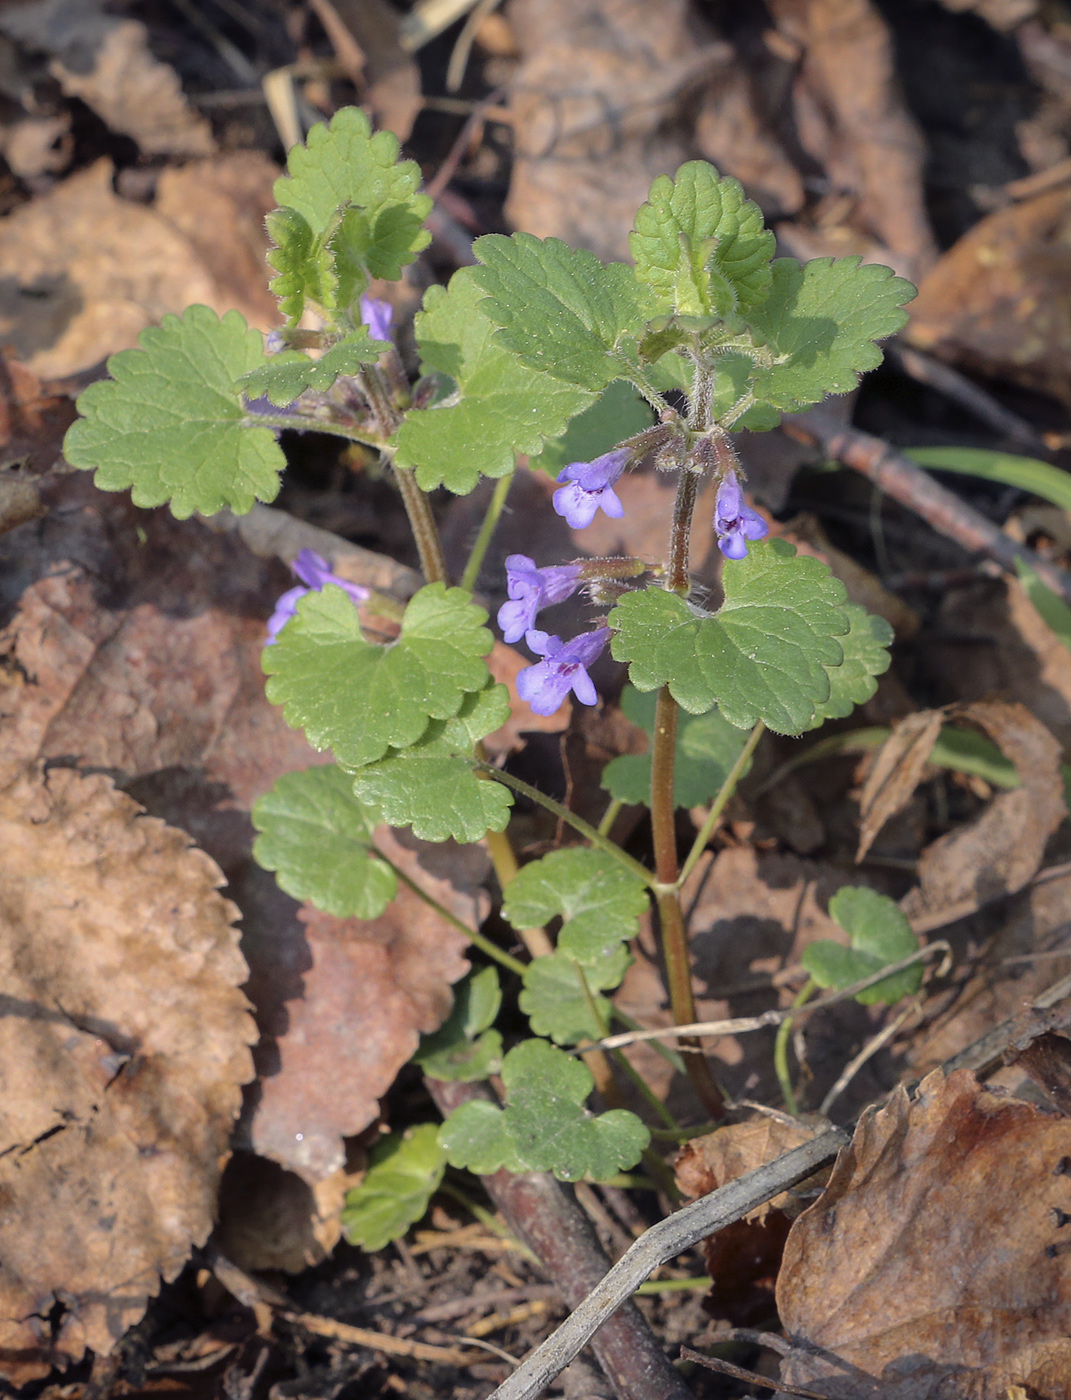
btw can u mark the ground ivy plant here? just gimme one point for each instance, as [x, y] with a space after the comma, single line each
[588, 369]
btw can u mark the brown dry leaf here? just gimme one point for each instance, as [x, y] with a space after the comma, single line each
[33, 420]
[998, 301]
[391, 75]
[105, 61]
[125, 1044]
[1002, 849]
[83, 272]
[732, 135]
[743, 1258]
[597, 103]
[369, 990]
[852, 118]
[896, 772]
[933, 1263]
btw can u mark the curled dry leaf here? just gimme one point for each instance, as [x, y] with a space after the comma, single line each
[933, 1263]
[124, 1046]
[896, 773]
[1002, 849]
[743, 1258]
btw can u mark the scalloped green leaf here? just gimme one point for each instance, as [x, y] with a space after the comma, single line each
[171, 425]
[561, 310]
[476, 1137]
[359, 698]
[866, 656]
[600, 902]
[546, 1118]
[619, 413]
[763, 655]
[464, 1049]
[544, 1125]
[318, 838]
[879, 935]
[499, 407]
[553, 997]
[345, 163]
[821, 320]
[304, 265]
[701, 243]
[432, 787]
[286, 376]
[404, 1172]
[707, 747]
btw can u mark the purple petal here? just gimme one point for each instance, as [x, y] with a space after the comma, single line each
[312, 568]
[587, 647]
[543, 686]
[611, 503]
[733, 546]
[377, 316]
[285, 609]
[542, 643]
[515, 618]
[584, 688]
[578, 506]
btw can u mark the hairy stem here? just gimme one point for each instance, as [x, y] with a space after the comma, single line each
[677, 578]
[487, 530]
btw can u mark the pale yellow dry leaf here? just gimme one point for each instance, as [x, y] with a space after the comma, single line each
[122, 1054]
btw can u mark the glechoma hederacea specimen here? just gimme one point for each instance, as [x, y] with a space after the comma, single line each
[536, 337]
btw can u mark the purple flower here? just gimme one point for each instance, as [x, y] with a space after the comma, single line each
[735, 522]
[314, 571]
[531, 589]
[377, 316]
[546, 684]
[275, 342]
[591, 486]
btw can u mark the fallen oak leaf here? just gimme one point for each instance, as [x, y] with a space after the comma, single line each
[124, 1047]
[867, 1299]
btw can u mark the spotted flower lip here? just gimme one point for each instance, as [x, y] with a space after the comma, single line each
[590, 487]
[314, 571]
[564, 668]
[734, 521]
[531, 589]
[377, 315]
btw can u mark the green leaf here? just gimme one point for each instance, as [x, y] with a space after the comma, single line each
[464, 1049]
[358, 698]
[821, 321]
[761, 656]
[879, 935]
[707, 747]
[500, 407]
[561, 310]
[287, 375]
[345, 164]
[701, 243]
[431, 787]
[546, 1118]
[618, 413]
[318, 838]
[1025, 473]
[1050, 606]
[476, 1137]
[553, 997]
[544, 1126]
[404, 1172]
[304, 264]
[600, 902]
[169, 421]
[866, 656]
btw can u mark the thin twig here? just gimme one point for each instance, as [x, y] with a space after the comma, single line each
[661, 1243]
[913, 487]
[870, 1049]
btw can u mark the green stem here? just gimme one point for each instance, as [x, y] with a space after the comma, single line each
[571, 819]
[780, 1052]
[610, 816]
[422, 523]
[728, 787]
[629, 1070]
[478, 939]
[487, 530]
[504, 860]
[305, 423]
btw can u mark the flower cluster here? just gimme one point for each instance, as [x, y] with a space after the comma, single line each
[734, 522]
[314, 572]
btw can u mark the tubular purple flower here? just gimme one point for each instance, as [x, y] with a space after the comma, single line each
[735, 521]
[314, 571]
[546, 684]
[590, 487]
[531, 589]
[377, 316]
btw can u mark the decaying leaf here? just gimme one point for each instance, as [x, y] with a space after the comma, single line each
[105, 61]
[896, 773]
[1002, 849]
[743, 1258]
[933, 1264]
[124, 1046]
